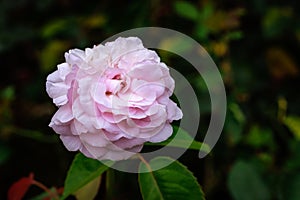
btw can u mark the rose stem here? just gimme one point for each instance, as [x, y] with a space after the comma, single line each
[43, 187]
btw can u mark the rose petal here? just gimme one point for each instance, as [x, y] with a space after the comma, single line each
[141, 56]
[96, 152]
[174, 113]
[164, 134]
[56, 86]
[147, 72]
[125, 143]
[94, 139]
[72, 143]
[63, 115]
[122, 46]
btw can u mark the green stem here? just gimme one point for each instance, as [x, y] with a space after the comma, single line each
[110, 181]
[52, 195]
[145, 162]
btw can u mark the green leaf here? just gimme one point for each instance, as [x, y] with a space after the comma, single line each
[8, 93]
[183, 140]
[89, 191]
[246, 184]
[186, 10]
[234, 35]
[260, 137]
[82, 171]
[291, 187]
[4, 153]
[172, 182]
[293, 162]
[51, 53]
[176, 44]
[293, 123]
[276, 20]
[64, 26]
[237, 112]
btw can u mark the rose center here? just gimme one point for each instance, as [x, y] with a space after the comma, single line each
[117, 77]
[114, 84]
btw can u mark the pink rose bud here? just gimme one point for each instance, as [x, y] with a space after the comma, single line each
[112, 99]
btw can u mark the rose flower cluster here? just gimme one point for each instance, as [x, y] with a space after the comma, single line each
[112, 99]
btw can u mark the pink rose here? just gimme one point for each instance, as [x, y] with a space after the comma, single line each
[112, 99]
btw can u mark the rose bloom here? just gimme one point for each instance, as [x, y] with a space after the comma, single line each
[112, 99]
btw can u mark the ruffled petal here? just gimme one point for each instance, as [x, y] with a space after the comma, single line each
[164, 134]
[72, 143]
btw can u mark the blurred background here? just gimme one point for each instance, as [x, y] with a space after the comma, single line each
[255, 44]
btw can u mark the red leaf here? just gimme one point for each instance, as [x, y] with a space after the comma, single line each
[60, 190]
[18, 189]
